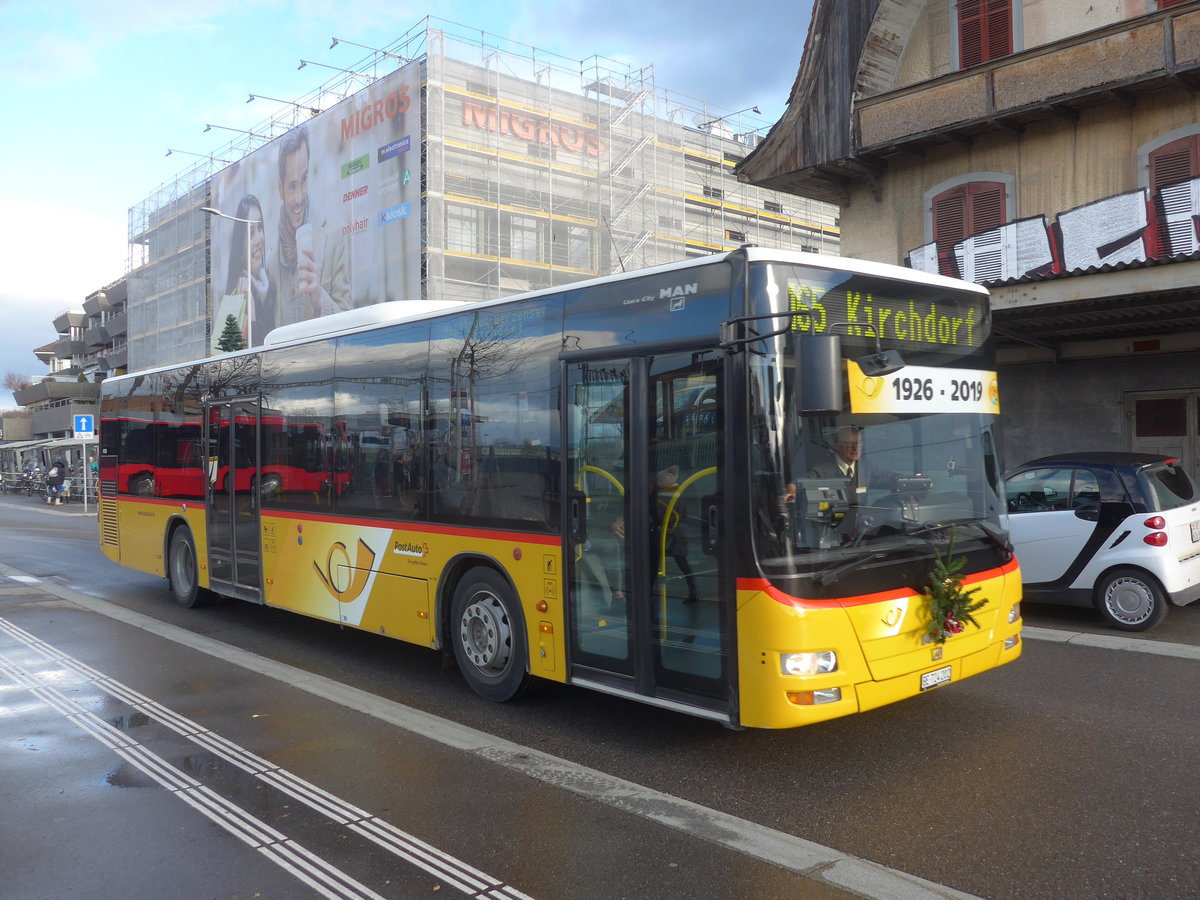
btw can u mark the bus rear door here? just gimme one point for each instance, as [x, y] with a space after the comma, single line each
[234, 553]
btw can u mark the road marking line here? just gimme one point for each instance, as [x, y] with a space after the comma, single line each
[807, 858]
[321, 876]
[426, 857]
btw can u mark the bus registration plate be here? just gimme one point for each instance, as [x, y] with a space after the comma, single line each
[935, 678]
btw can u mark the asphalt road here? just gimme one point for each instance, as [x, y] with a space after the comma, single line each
[1067, 774]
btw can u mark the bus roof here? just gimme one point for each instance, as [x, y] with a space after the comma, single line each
[398, 311]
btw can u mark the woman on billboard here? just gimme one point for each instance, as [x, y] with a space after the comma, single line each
[262, 288]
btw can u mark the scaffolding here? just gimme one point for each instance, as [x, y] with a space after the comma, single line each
[536, 171]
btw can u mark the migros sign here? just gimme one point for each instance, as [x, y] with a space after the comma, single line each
[534, 129]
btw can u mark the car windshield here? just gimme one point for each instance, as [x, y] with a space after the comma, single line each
[1171, 486]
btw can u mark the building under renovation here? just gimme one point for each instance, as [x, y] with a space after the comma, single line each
[447, 165]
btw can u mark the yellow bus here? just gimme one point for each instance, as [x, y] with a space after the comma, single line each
[630, 484]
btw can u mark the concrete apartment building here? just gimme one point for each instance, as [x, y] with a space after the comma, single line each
[1049, 150]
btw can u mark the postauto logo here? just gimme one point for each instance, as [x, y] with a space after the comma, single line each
[338, 566]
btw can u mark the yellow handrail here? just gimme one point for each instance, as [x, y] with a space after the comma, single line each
[579, 480]
[662, 547]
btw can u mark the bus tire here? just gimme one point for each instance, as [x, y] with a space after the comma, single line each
[183, 573]
[488, 635]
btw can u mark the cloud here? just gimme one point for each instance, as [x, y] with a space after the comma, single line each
[708, 50]
[28, 324]
[59, 251]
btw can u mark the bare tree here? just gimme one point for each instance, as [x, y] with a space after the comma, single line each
[14, 381]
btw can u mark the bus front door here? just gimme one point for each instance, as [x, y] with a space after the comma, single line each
[234, 556]
[648, 613]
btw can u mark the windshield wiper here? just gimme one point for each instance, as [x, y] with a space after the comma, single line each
[829, 576]
[994, 536]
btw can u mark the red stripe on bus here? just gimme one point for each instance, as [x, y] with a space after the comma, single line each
[159, 501]
[419, 527]
[761, 584]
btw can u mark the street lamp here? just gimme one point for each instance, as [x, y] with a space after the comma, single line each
[704, 126]
[312, 109]
[249, 270]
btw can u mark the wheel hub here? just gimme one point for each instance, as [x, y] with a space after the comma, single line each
[485, 634]
[1129, 600]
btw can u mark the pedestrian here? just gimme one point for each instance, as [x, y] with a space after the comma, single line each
[54, 481]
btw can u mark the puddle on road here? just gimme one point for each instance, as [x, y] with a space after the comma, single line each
[200, 766]
[128, 776]
[132, 720]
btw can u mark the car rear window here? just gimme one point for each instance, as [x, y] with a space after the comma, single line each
[1171, 486]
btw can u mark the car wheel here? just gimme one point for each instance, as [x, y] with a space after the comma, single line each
[182, 572]
[1131, 600]
[488, 636]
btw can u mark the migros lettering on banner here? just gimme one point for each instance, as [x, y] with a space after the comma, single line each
[534, 129]
[394, 103]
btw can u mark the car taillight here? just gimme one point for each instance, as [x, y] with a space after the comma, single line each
[1156, 539]
[1155, 523]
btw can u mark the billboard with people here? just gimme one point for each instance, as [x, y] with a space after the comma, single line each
[333, 208]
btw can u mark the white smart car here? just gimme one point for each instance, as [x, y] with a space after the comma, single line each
[1118, 531]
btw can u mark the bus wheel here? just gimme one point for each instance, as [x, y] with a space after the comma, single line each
[489, 636]
[1131, 600]
[182, 573]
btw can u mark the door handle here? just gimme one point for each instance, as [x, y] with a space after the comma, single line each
[712, 527]
[577, 514]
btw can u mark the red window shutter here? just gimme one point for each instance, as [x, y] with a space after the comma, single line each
[986, 203]
[984, 30]
[949, 227]
[1164, 4]
[1174, 162]
[962, 211]
[1171, 166]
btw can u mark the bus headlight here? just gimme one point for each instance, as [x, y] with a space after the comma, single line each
[808, 663]
[1014, 613]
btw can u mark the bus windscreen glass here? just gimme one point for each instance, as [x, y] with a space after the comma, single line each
[910, 459]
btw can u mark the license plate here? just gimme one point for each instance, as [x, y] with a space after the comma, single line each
[936, 678]
[1195, 526]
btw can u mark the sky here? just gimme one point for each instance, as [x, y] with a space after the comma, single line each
[93, 93]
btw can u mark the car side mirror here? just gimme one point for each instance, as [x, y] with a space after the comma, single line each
[1089, 513]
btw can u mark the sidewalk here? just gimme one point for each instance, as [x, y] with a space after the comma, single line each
[37, 502]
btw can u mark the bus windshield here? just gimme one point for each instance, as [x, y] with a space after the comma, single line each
[908, 460]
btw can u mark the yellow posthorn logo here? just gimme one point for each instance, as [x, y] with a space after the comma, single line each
[339, 557]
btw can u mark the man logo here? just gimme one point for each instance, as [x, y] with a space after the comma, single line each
[345, 582]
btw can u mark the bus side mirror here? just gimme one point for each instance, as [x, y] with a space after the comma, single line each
[817, 375]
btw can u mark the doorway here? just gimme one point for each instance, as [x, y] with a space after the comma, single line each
[234, 553]
[645, 555]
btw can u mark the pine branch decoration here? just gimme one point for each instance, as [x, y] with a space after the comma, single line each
[950, 607]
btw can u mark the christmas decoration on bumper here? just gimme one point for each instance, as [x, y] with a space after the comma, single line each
[950, 607]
